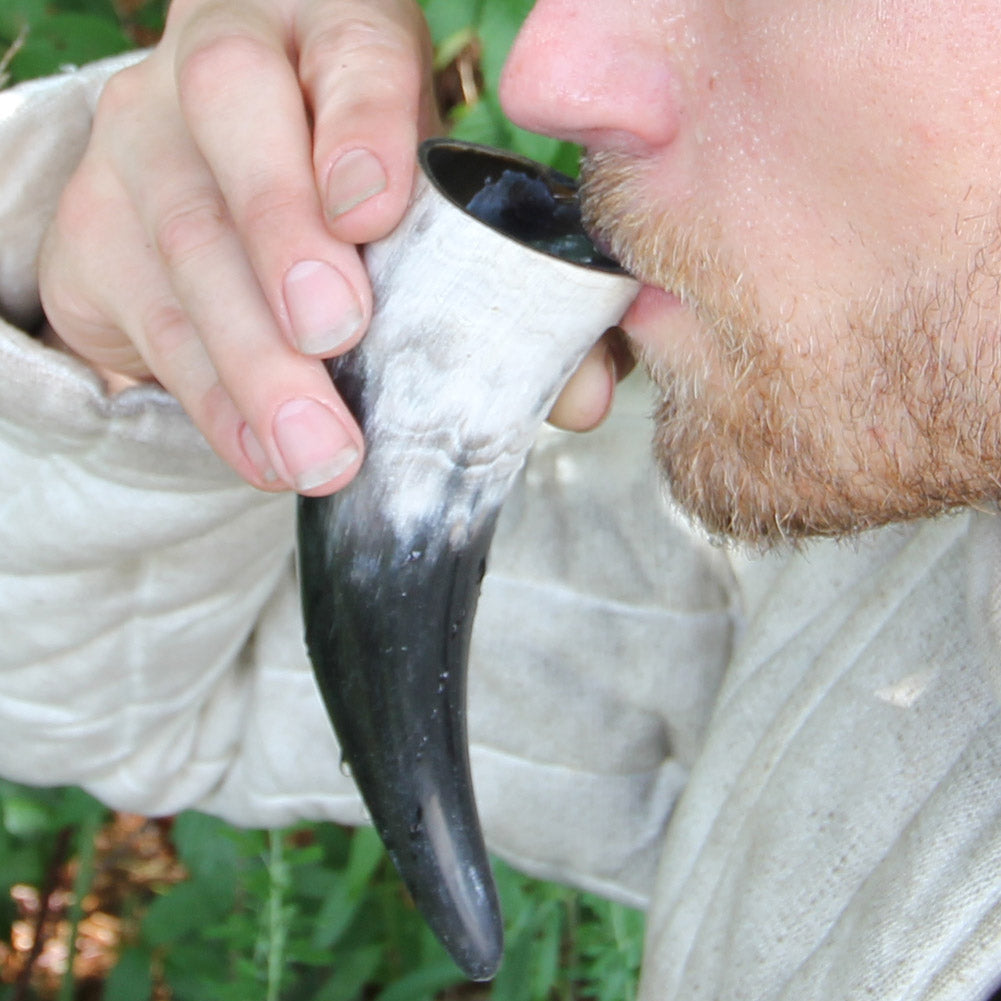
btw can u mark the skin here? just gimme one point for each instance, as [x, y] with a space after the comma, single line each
[196, 236]
[215, 218]
[811, 191]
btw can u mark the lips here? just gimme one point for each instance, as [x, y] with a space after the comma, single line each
[651, 306]
[473, 336]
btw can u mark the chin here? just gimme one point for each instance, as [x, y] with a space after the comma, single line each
[764, 447]
[772, 476]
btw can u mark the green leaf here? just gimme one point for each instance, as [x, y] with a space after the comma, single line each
[423, 983]
[514, 979]
[97, 8]
[448, 17]
[451, 45]
[353, 969]
[547, 947]
[211, 852]
[67, 38]
[26, 864]
[498, 26]
[482, 123]
[131, 979]
[16, 14]
[364, 856]
[347, 891]
[75, 806]
[336, 915]
[25, 816]
[186, 908]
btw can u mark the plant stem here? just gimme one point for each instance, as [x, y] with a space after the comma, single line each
[56, 862]
[89, 827]
[572, 907]
[15, 46]
[277, 917]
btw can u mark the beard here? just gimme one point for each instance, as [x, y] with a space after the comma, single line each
[886, 409]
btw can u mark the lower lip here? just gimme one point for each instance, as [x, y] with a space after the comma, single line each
[650, 308]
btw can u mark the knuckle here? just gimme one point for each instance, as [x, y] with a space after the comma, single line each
[80, 204]
[220, 59]
[166, 329]
[269, 205]
[119, 94]
[216, 412]
[190, 229]
[66, 306]
[66, 274]
[376, 48]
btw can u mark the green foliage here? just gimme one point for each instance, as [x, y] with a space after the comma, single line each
[564, 944]
[313, 913]
[318, 914]
[38, 37]
[31, 822]
[495, 23]
[38, 829]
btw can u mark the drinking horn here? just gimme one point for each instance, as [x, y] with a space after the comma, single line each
[487, 296]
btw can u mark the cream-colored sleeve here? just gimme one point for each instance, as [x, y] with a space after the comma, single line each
[146, 594]
[153, 646]
[44, 129]
[603, 633]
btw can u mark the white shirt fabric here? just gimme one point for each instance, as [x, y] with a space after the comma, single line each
[793, 761]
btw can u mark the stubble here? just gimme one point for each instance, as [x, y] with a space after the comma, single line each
[887, 409]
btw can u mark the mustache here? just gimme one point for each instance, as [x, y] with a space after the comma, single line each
[663, 245]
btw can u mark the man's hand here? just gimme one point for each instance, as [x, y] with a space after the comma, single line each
[208, 238]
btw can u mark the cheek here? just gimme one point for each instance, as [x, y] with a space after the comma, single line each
[857, 144]
[812, 145]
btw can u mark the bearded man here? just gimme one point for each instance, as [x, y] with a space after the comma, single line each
[787, 748]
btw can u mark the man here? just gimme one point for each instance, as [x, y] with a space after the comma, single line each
[811, 193]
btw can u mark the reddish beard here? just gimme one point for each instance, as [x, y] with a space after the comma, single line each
[763, 442]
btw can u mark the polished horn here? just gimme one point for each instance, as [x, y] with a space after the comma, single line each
[487, 297]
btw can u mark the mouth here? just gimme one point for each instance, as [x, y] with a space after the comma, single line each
[651, 305]
[652, 301]
[476, 330]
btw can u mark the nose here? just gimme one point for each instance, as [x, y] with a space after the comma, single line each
[598, 73]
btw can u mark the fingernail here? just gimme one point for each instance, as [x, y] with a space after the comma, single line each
[313, 443]
[357, 175]
[252, 449]
[322, 307]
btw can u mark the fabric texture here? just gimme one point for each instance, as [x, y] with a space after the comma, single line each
[154, 649]
[791, 760]
[840, 835]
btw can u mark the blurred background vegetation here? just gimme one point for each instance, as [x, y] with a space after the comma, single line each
[472, 37]
[98, 905]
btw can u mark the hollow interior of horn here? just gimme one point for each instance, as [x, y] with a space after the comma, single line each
[460, 170]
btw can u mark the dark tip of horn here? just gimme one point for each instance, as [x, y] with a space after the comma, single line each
[387, 627]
